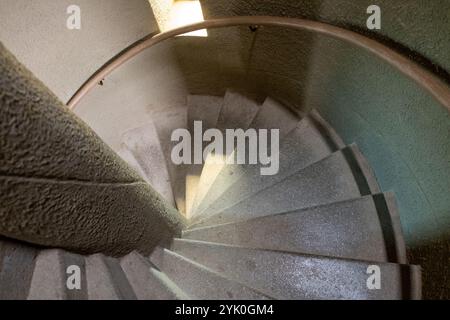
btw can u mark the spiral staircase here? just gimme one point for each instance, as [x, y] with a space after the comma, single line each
[309, 232]
[314, 230]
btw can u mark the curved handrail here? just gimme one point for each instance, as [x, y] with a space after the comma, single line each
[431, 83]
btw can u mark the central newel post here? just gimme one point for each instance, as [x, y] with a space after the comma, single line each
[61, 185]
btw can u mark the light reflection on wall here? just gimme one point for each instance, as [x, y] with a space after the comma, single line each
[172, 14]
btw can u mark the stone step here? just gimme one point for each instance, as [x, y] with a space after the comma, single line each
[237, 112]
[310, 141]
[128, 157]
[321, 230]
[143, 143]
[106, 279]
[205, 109]
[201, 283]
[165, 123]
[284, 275]
[17, 262]
[147, 282]
[271, 115]
[52, 270]
[333, 179]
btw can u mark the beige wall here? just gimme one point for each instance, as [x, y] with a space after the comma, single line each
[36, 32]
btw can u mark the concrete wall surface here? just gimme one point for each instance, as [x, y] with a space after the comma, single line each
[36, 33]
[419, 28]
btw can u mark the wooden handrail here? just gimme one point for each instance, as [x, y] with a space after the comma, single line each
[427, 80]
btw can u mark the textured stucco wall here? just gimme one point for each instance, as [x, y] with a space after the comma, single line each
[61, 186]
[35, 32]
[417, 27]
[140, 91]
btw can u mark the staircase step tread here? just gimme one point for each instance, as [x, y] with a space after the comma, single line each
[284, 275]
[49, 276]
[202, 283]
[271, 115]
[303, 145]
[205, 109]
[143, 142]
[17, 262]
[106, 279]
[321, 230]
[165, 123]
[329, 180]
[210, 171]
[128, 157]
[48, 279]
[237, 112]
[192, 182]
[147, 282]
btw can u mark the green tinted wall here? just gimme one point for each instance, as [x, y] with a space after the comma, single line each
[418, 27]
[403, 131]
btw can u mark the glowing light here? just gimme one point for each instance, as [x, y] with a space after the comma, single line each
[173, 14]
